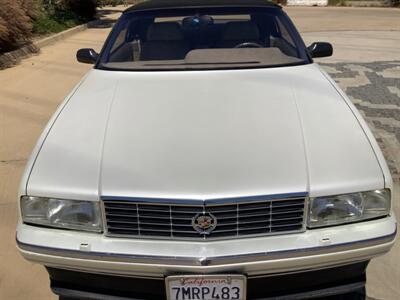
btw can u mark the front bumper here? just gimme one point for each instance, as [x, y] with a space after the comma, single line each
[310, 250]
[318, 284]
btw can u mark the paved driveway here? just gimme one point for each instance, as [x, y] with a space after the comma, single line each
[375, 90]
[30, 92]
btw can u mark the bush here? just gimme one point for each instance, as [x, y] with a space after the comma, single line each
[82, 8]
[20, 18]
[117, 2]
[15, 24]
[110, 2]
[45, 24]
[31, 8]
[58, 15]
[337, 2]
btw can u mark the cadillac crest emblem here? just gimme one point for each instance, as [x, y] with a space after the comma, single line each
[204, 223]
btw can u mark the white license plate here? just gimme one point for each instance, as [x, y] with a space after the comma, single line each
[206, 287]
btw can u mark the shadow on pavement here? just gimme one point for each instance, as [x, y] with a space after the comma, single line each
[105, 11]
[103, 23]
[106, 18]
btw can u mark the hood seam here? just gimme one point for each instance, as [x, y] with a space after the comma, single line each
[303, 139]
[106, 127]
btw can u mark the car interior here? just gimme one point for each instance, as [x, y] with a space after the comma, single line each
[160, 39]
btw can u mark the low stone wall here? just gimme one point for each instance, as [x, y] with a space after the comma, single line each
[307, 2]
[12, 58]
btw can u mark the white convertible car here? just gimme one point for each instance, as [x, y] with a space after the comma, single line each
[206, 156]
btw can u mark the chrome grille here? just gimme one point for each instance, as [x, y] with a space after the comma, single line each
[127, 218]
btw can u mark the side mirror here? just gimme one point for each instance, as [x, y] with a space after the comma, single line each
[320, 49]
[87, 56]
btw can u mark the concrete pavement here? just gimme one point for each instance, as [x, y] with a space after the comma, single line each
[366, 42]
[357, 34]
[30, 92]
[383, 273]
[358, 46]
[331, 19]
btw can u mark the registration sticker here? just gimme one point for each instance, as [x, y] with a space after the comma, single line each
[206, 287]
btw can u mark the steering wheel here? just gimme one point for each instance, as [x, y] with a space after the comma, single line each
[248, 45]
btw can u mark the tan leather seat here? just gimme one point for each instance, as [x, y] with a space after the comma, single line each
[238, 32]
[165, 41]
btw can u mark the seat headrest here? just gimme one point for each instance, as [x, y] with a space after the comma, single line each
[164, 31]
[241, 30]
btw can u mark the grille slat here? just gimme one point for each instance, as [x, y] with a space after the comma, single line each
[130, 219]
[122, 222]
[287, 212]
[122, 228]
[117, 209]
[126, 215]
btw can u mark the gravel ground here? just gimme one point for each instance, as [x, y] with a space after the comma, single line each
[375, 90]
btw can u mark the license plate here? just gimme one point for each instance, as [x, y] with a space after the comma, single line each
[206, 287]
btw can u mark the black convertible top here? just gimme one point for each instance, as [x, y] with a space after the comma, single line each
[175, 4]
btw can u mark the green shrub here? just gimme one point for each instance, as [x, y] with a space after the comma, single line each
[337, 2]
[110, 2]
[15, 24]
[59, 15]
[117, 2]
[85, 9]
[82, 8]
[44, 25]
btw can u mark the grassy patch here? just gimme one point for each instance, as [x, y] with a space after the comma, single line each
[56, 22]
[337, 2]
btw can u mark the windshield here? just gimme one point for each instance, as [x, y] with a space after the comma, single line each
[186, 39]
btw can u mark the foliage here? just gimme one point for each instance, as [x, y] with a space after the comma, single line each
[82, 8]
[116, 2]
[280, 2]
[31, 8]
[19, 19]
[15, 25]
[337, 2]
[58, 15]
[55, 23]
[109, 2]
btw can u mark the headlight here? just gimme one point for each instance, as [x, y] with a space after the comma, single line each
[348, 208]
[67, 214]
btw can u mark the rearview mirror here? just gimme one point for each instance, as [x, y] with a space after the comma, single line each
[320, 49]
[87, 56]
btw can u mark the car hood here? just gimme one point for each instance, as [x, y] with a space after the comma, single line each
[205, 134]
